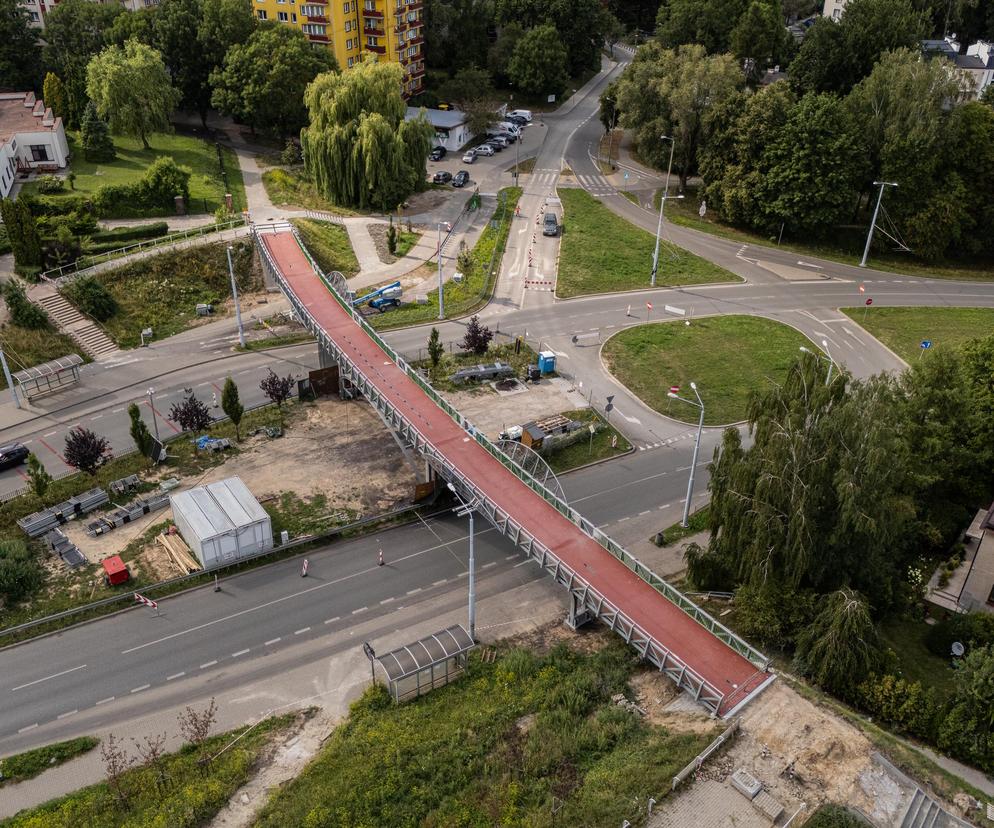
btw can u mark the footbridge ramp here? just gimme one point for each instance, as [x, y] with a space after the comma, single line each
[604, 581]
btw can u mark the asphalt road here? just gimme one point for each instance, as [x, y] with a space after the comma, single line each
[76, 681]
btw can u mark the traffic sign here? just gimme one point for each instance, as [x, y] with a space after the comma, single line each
[148, 602]
[862, 288]
[674, 389]
[368, 650]
[926, 344]
[648, 305]
[869, 302]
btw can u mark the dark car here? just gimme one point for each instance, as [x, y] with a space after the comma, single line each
[442, 177]
[550, 226]
[461, 179]
[497, 145]
[516, 119]
[437, 154]
[13, 454]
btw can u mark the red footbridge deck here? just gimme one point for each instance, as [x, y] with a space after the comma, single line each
[717, 667]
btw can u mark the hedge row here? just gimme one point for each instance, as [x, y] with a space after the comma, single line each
[153, 230]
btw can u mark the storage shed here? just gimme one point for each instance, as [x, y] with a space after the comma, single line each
[222, 522]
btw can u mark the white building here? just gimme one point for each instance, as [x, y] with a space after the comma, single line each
[833, 9]
[222, 522]
[451, 128]
[31, 138]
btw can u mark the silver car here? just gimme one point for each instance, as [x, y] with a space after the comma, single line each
[469, 157]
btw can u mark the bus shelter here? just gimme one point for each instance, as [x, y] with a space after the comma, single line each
[49, 376]
[431, 662]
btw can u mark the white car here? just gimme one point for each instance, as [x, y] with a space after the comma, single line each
[507, 126]
[469, 157]
[522, 113]
[483, 149]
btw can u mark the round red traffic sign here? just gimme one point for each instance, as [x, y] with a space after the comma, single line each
[869, 301]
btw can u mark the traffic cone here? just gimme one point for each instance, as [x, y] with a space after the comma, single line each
[379, 562]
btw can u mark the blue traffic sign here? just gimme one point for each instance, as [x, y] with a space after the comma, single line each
[926, 344]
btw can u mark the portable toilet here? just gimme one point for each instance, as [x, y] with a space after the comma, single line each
[547, 362]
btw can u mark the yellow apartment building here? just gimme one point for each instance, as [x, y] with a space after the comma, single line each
[389, 29]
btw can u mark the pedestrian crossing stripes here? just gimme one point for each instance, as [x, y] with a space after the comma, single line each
[595, 184]
[689, 435]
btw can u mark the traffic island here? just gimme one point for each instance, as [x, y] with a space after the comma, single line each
[728, 357]
[906, 330]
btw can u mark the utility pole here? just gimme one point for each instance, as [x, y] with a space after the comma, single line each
[873, 222]
[441, 297]
[662, 203]
[469, 509]
[151, 404]
[697, 447]
[6, 376]
[234, 293]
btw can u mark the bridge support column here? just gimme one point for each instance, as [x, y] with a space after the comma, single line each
[577, 615]
[326, 359]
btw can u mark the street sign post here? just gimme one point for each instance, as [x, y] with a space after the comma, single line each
[370, 654]
[926, 344]
[865, 309]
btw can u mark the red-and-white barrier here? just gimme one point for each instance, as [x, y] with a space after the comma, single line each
[148, 602]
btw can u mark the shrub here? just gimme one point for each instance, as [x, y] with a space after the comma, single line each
[20, 573]
[91, 297]
[23, 312]
[162, 182]
[902, 704]
[152, 230]
[975, 629]
[57, 205]
[29, 273]
[49, 184]
[5, 247]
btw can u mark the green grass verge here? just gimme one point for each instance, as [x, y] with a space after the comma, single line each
[835, 816]
[29, 764]
[846, 249]
[178, 792]
[26, 348]
[441, 377]
[306, 515]
[291, 188]
[729, 357]
[475, 290]
[405, 241]
[591, 449]
[915, 661]
[697, 522]
[494, 747]
[162, 292]
[329, 245]
[903, 329]
[206, 185]
[603, 253]
[276, 341]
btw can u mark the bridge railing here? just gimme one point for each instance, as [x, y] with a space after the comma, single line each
[666, 589]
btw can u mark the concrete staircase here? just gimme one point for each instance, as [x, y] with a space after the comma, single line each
[925, 812]
[87, 334]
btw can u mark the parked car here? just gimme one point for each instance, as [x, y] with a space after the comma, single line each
[498, 141]
[484, 149]
[469, 157]
[550, 226]
[437, 154]
[522, 113]
[384, 303]
[510, 127]
[494, 145]
[517, 120]
[12, 454]
[442, 177]
[461, 179]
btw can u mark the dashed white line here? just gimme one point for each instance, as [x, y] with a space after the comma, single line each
[240, 653]
[39, 681]
[67, 714]
[521, 564]
[510, 557]
[488, 565]
[207, 664]
[302, 630]
[644, 512]
[388, 600]
[108, 700]
[176, 676]
[143, 687]
[622, 520]
[272, 641]
[333, 620]
[96, 416]
[361, 609]
[29, 727]
[463, 574]
[414, 591]
[439, 583]
[51, 433]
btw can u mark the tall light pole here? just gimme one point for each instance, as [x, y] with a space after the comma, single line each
[697, 447]
[469, 509]
[441, 298]
[151, 404]
[827, 357]
[873, 221]
[10, 381]
[662, 203]
[234, 293]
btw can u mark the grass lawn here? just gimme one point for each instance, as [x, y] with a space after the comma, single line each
[405, 241]
[178, 792]
[729, 357]
[441, 377]
[697, 522]
[162, 292]
[476, 287]
[26, 348]
[588, 450]
[493, 748]
[603, 253]
[903, 329]
[835, 816]
[915, 661]
[26, 765]
[329, 245]
[847, 249]
[291, 188]
[206, 185]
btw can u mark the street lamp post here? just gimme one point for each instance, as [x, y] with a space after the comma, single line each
[697, 447]
[234, 293]
[827, 357]
[441, 297]
[873, 221]
[468, 510]
[662, 203]
[10, 381]
[151, 404]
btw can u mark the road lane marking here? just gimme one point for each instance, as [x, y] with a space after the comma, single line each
[302, 631]
[240, 653]
[208, 664]
[414, 591]
[67, 714]
[108, 700]
[388, 600]
[29, 727]
[361, 609]
[510, 557]
[51, 433]
[488, 565]
[272, 641]
[333, 620]
[528, 560]
[176, 676]
[439, 583]
[143, 687]
[47, 678]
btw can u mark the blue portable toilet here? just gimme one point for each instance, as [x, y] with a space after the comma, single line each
[546, 362]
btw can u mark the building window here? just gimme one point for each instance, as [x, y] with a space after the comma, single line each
[314, 28]
[33, 16]
[351, 61]
[347, 8]
[293, 17]
[39, 152]
[283, 17]
[261, 14]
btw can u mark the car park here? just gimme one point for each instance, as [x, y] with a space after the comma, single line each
[442, 177]
[522, 113]
[437, 154]
[12, 454]
[484, 149]
[460, 179]
[550, 226]
[469, 157]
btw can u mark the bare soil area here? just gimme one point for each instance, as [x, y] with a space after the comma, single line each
[492, 412]
[378, 231]
[425, 202]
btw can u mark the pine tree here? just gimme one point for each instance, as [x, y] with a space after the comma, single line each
[232, 406]
[54, 94]
[139, 431]
[95, 136]
[39, 478]
[435, 348]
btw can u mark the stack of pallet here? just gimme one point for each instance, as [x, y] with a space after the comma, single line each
[179, 552]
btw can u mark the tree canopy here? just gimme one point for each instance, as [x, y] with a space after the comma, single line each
[358, 147]
[20, 66]
[538, 65]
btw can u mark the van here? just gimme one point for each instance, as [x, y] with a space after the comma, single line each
[507, 126]
[550, 226]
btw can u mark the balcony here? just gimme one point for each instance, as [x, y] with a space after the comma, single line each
[373, 13]
[315, 38]
[316, 18]
[415, 42]
[376, 31]
[379, 50]
[415, 6]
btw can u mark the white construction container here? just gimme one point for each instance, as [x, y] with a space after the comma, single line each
[222, 522]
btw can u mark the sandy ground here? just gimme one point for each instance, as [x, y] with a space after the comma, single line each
[341, 450]
[493, 412]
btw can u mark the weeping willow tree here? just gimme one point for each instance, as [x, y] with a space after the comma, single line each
[358, 149]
